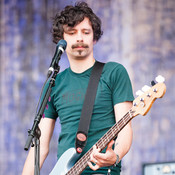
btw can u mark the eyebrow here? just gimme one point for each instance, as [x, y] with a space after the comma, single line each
[88, 30]
[68, 29]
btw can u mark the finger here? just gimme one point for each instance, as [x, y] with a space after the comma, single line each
[95, 152]
[93, 167]
[109, 147]
[95, 149]
[92, 158]
[100, 157]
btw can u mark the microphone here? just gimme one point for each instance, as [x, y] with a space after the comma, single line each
[60, 48]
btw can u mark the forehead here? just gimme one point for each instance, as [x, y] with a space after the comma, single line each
[85, 24]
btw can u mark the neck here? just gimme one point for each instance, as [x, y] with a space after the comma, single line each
[81, 65]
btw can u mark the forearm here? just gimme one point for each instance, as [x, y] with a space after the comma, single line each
[123, 141]
[29, 163]
[46, 127]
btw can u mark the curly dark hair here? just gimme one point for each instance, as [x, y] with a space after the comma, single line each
[73, 15]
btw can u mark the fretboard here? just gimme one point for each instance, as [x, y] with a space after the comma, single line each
[111, 134]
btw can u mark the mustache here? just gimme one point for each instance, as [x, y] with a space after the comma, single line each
[80, 45]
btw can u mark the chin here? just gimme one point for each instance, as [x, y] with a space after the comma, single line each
[81, 55]
[80, 58]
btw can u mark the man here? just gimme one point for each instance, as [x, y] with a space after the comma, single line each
[81, 28]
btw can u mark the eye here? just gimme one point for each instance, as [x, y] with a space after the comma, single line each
[71, 33]
[86, 32]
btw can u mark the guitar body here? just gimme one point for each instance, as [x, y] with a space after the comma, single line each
[65, 162]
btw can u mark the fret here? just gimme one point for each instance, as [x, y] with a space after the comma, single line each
[112, 135]
[105, 138]
[123, 120]
[102, 142]
[112, 132]
[114, 129]
[99, 143]
[122, 123]
[130, 114]
[118, 128]
[70, 172]
[128, 117]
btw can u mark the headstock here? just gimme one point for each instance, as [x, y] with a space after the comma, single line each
[143, 103]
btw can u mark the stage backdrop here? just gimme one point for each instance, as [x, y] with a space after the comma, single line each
[139, 34]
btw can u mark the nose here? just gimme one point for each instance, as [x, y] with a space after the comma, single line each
[79, 37]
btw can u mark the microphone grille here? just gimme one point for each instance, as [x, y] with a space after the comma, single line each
[62, 43]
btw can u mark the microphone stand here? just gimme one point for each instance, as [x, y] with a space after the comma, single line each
[35, 132]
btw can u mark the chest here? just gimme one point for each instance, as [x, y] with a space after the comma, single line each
[70, 94]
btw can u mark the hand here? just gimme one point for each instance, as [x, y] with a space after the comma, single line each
[102, 159]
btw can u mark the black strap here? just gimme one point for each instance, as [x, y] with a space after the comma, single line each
[88, 104]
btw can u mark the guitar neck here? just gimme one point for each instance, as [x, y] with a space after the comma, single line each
[111, 134]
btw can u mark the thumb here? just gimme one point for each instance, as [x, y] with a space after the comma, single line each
[110, 144]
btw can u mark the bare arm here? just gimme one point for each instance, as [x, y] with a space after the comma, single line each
[46, 126]
[124, 139]
[122, 143]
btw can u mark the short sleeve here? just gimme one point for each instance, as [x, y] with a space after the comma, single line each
[121, 85]
[50, 111]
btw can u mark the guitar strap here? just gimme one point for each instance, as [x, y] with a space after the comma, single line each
[86, 113]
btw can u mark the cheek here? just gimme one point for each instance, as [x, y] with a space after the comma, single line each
[92, 41]
[66, 38]
[69, 47]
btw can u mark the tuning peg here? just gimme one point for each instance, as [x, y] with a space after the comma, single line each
[145, 88]
[153, 83]
[139, 92]
[160, 79]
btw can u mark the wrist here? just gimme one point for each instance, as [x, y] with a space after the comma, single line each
[117, 159]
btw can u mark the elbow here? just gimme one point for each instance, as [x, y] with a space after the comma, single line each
[46, 152]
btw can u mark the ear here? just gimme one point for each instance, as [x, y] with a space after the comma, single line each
[94, 42]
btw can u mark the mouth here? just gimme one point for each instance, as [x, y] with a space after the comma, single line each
[79, 48]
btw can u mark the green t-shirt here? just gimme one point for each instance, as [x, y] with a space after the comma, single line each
[67, 98]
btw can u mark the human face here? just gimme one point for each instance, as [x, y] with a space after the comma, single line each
[79, 40]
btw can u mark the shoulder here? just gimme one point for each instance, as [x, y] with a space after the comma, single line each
[113, 65]
[114, 72]
[63, 73]
[62, 76]
[113, 68]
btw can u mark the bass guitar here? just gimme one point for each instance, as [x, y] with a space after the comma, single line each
[68, 164]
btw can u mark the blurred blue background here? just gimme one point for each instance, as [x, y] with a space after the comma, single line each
[139, 34]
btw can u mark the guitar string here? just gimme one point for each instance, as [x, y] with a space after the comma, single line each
[80, 165]
[122, 122]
